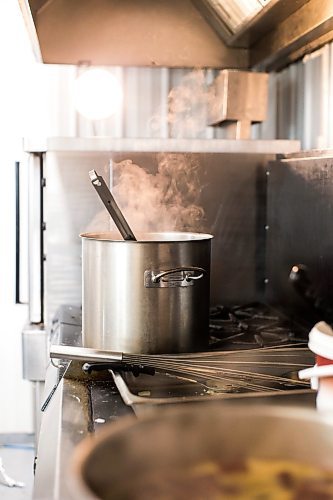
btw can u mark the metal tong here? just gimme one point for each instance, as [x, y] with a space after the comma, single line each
[111, 205]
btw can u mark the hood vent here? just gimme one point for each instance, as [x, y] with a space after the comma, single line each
[128, 33]
[239, 34]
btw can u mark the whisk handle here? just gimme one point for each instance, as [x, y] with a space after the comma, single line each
[84, 354]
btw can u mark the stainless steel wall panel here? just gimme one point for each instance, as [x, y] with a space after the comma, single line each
[145, 112]
[300, 102]
[299, 216]
[233, 198]
[163, 105]
[232, 176]
[313, 123]
[267, 129]
[71, 205]
[35, 240]
[330, 97]
[145, 95]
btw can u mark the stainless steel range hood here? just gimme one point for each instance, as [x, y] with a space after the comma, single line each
[264, 34]
[128, 33]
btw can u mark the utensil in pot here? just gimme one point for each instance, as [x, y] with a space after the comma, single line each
[111, 205]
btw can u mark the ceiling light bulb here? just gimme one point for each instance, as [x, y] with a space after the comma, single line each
[97, 94]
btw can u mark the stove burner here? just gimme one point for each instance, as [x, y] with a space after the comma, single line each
[251, 326]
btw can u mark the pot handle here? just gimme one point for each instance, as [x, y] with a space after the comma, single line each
[185, 276]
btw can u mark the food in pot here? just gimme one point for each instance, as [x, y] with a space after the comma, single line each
[253, 479]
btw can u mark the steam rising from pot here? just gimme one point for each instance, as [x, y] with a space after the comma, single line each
[167, 200]
[188, 105]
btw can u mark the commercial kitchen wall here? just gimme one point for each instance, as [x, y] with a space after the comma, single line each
[299, 105]
[301, 102]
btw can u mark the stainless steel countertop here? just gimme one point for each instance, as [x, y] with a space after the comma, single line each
[83, 404]
[67, 420]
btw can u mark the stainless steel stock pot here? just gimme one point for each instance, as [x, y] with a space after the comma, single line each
[146, 296]
[177, 439]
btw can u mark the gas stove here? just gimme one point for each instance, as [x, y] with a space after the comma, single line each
[254, 355]
[246, 326]
[254, 351]
[252, 325]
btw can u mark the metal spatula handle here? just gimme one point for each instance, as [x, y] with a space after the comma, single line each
[111, 205]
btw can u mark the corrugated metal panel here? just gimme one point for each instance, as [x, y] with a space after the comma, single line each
[300, 104]
[300, 100]
[146, 108]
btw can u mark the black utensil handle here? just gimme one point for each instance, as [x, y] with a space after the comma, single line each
[135, 369]
[49, 397]
[17, 233]
[111, 205]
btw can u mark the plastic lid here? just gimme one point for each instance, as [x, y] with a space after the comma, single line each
[321, 340]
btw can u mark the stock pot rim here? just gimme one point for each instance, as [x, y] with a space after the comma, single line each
[148, 237]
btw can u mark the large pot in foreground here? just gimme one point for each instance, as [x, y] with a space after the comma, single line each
[123, 458]
[146, 296]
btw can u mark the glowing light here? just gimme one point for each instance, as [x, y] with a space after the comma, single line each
[97, 94]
